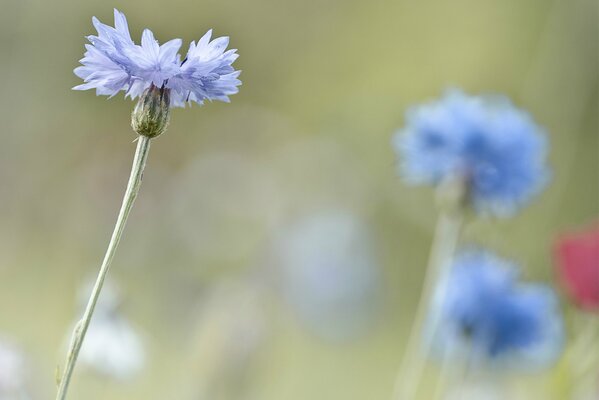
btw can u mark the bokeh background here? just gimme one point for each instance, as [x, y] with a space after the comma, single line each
[273, 252]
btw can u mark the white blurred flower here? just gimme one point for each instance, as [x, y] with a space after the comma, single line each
[12, 372]
[112, 346]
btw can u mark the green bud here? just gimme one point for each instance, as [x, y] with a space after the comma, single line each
[152, 112]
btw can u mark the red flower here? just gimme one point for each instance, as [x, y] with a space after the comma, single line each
[577, 257]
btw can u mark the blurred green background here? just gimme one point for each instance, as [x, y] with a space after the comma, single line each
[325, 85]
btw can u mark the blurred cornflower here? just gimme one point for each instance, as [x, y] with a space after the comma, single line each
[113, 62]
[487, 143]
[329, 273]
[577, 257]
[487, 315]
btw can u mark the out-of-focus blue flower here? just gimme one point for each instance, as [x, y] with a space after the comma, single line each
[329, 273]
[113, 62]
[486, 312]
[496, 148]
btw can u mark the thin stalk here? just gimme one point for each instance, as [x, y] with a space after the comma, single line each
[139, 162]
[445, 241]
[582, 362]
[464, 369]
[449, 371]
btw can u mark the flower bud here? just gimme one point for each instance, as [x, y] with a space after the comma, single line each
[152, 112]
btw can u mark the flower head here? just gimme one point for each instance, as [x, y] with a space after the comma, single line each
[577, 257]
[113, 62]
[494, 147]
[486, 310]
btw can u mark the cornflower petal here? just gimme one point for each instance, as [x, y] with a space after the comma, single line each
[113, 63]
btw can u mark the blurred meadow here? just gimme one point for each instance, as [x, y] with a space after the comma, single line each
[239, 198]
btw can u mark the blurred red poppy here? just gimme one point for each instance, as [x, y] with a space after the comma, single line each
[577, 258]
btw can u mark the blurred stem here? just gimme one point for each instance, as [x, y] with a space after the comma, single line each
[139, 162]
[464, 371]
[583, 362]
[450, 371]
[447, 232]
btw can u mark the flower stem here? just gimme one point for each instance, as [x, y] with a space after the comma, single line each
[139, 162]
[445, 241]
[450, 370]
[583, 363]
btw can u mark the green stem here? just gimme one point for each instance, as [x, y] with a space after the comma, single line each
[582, 362]
[445, 241]
[139, 162]
[450, 369]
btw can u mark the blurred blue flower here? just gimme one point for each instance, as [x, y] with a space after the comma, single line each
[496, 148]
[113, 62]
[329, 274]
[484, 309]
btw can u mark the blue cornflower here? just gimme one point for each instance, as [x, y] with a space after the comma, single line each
[486, 142]
[113, 62]
[485, 311]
